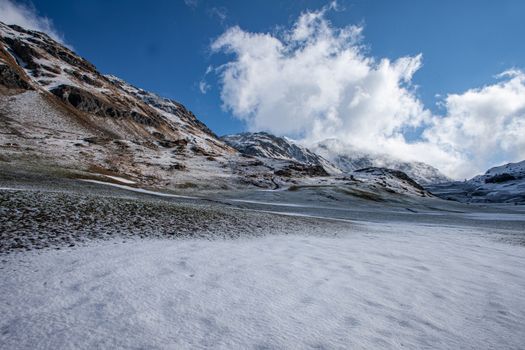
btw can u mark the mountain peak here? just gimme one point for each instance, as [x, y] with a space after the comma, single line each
[349, 159]
[265, 145]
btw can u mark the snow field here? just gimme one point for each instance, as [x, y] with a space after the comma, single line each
[380, 286]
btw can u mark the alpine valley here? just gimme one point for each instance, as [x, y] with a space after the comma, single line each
[59, 114]
[126, 223]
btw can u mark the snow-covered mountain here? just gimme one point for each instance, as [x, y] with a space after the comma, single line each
[348, 160]
[422, 173]
[362, 174]
[59, 113]
[501, 184]
[268, 147]
[57, 109]
[503, 173]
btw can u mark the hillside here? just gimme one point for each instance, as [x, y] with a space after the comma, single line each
[501, 184]
[59, 114]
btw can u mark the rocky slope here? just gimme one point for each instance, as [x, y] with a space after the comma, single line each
[334, 158]
[367, 179]
[271, 149]
[268, 146]
[501, 184]
[56, 108]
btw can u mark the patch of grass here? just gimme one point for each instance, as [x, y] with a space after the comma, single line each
[362, 194]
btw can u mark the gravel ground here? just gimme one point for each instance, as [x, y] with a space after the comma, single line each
[42, 209]
[36, 219]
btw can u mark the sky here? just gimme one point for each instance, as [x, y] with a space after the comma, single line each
[435, 81]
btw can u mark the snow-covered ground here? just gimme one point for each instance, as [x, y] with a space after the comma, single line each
[377, 286]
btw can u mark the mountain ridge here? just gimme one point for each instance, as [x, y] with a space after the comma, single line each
[499, 184]
[58, 110]
[265, 145]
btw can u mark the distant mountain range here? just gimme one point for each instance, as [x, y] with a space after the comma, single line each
[264, 145]
[58, 111]
[267, 146]
[501, 184]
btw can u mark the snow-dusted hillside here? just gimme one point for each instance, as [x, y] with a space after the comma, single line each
[269, 147]
[505, 183]
[349, 159]
[361, 170]
[263, 144]
[57, 110]
[394, 181]
[516, 170]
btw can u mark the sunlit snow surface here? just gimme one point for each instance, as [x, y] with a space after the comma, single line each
[376, 286]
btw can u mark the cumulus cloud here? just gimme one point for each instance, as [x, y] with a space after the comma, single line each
[25, 15]
[315, 82]
[483, 126]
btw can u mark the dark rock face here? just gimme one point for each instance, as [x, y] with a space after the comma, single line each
[23, 52]
[179, 144]
[170, 106]
[87, 102]
[500, 178]
[302, 169]
[69, 57]
[11, 79]
[85, 78]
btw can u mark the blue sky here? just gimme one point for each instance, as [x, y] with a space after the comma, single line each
[163, 46]
[436, 81]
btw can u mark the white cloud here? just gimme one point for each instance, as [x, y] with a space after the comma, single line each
[484, 125]
[315, 82]
[204, 87]
[221, 13]
[25, 15]
[191, 3]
